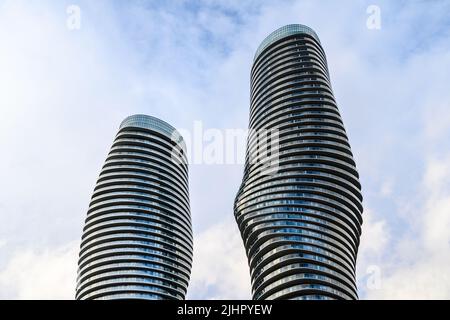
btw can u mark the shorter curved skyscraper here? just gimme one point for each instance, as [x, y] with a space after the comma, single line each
[137, 240]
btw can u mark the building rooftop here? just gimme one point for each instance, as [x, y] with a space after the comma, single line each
[152, 123]
[283, 32]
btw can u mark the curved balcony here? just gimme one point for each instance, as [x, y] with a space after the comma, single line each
[299, 207]
[137, 240]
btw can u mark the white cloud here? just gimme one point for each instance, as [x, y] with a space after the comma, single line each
[387, 188]
[420, 277]
[64, 94]
[436, 223]
[220, 268]
[41, 274]
[375, 235]
[417, 266]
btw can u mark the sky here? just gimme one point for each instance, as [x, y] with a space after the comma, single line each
[65, 86]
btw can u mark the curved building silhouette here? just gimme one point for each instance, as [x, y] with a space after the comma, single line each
[301, 218]
[137, 240]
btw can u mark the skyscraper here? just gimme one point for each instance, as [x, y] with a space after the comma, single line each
[137, 240]
[300, 223]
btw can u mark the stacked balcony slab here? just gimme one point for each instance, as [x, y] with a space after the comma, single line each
[301, 223]
[137, 240]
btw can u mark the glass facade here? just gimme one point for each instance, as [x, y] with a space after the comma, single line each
[137, 240]
[300, 222]
[290, 29]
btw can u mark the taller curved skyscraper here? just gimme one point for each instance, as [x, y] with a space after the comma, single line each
[137, 240]
[301, 220]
